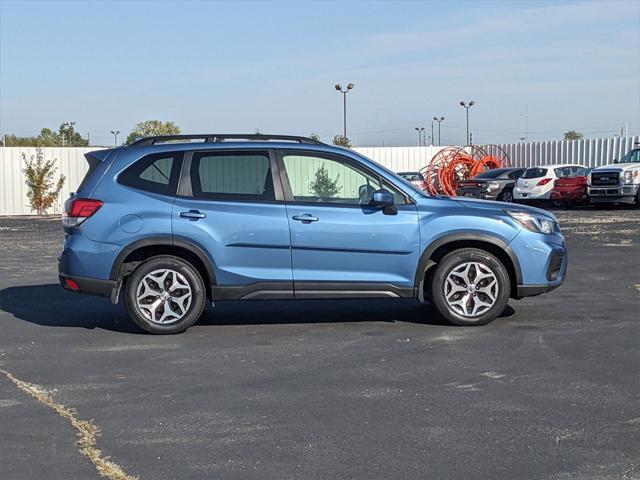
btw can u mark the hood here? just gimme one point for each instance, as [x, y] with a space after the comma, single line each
[501, 206]
[617, 166]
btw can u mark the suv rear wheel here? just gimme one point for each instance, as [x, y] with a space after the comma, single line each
[470, 287]
[165, 295]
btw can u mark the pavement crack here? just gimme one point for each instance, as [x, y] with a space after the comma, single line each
[86, 431]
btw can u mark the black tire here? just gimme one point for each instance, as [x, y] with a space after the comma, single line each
[188, 273]
[456, 259]
[636, 202]
[506, 196]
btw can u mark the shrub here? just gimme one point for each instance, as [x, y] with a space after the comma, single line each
[43, 189]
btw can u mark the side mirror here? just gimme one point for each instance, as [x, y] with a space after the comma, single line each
[615, 160]
[382, 198]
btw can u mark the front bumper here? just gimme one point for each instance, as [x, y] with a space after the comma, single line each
[613, 194]
[543, 262]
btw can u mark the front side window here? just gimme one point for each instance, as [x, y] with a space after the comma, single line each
[241, 176]
[156, 173]
[330, 180]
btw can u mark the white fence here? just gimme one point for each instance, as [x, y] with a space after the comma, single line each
[588, 152]
[71, 163]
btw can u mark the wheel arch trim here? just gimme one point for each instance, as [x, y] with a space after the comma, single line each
[425, 261]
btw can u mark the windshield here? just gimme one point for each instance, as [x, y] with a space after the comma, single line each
[631, 157]
[534, 173]
[492, 173]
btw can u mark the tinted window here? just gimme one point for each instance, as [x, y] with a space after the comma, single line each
[534, 173]
[571, 172]
[516, 174]
[232, 176]
[498, 172]
[329, 180]
[154, 173]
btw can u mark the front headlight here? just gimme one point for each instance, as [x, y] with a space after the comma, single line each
[532, 221]
[630, 177]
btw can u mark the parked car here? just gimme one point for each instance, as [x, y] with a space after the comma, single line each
[415, 178]
[171, 223]
[496, 184]
[536, 183]
[570, 188]
[618, 182]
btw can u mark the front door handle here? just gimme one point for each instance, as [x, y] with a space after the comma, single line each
[305, 218]
[193, 215]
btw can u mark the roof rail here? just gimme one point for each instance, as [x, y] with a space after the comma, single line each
[219, 137]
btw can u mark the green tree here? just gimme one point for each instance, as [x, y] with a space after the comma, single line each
[342, 141]
[69, 137]
[572, 135]
[65, 136]
[151, 128]
[43, 190]
[323, 186]
[314, 136]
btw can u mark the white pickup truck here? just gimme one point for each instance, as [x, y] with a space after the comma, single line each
[618, 182]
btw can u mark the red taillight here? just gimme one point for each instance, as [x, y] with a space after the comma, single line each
[71, 284]
[544, 181]
[78, 210]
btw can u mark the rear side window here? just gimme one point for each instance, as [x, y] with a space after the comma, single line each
[156, 173]
[232, 176]
[516, 174]
[534, 173]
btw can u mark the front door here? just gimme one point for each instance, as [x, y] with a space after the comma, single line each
[340, 244]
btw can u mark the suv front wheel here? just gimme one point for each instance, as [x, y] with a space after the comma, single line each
[165, 295]
[470, 287]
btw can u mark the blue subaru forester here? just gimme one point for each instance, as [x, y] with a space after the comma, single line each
[174, 221]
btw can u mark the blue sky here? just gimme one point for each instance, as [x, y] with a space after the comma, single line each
[238, 66]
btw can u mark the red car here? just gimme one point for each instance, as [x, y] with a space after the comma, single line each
[570, 188]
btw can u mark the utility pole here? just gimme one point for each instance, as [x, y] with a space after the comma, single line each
[470, 138]
[115, 137]
[88, 138]
[439, 120]
[467, 106]
[338, 87]
[526, 122]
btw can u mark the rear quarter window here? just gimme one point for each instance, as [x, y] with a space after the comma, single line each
[157, 173]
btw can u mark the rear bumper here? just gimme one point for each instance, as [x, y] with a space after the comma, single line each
[92, 286]
[478, 193]
[570, 194]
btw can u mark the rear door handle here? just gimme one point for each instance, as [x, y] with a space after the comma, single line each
[193, 215]
[305, 218]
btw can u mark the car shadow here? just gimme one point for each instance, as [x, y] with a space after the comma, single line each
[51, 306]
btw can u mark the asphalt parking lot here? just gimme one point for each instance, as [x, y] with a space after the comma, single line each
[330, 390]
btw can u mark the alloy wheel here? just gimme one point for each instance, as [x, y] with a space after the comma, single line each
[164, 296]
[471, 289]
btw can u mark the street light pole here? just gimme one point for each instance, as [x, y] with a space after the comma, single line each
[439, 120]
[420, 131]
[115, 137]
[338, 87]
[467, 106]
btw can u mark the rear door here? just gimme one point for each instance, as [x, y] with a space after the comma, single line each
[230, 205]
[341, 246]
